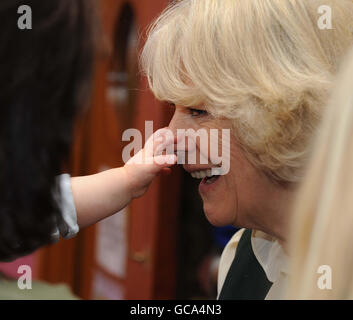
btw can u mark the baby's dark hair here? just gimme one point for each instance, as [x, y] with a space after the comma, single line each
[45, 78]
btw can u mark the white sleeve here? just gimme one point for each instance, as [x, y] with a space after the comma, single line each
[67, 226]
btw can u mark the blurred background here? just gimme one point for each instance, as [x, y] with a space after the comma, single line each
[161, 246]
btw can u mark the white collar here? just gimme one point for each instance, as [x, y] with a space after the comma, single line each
[270, 254]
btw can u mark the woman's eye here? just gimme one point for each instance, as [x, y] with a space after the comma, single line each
[197, 112]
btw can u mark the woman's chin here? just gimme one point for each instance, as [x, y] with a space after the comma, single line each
[216, 217]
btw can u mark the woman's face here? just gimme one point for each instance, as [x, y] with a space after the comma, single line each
[237, 198]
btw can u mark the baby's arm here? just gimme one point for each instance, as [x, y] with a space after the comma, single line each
[101, 195]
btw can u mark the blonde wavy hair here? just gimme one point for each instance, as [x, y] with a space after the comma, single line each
[323, 218]
[266, 65]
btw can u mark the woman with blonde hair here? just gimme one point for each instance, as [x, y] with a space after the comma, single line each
[264, 70]
[321, 241]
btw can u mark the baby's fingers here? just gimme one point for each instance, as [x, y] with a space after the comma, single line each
[164, 161]
[158, 142]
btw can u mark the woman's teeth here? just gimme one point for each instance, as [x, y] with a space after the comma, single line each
[202, 174]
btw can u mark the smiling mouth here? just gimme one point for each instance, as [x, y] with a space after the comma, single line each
[206, 175]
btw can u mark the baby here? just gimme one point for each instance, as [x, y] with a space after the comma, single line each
[87, 200]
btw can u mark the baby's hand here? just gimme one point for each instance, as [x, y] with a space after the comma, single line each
[141, 169]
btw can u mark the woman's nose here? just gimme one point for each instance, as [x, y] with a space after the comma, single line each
[180, 120]
[180, 128]
[174, 124]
